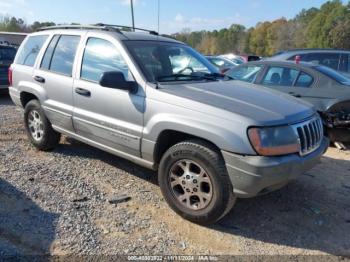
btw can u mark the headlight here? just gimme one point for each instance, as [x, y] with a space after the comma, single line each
[274, 141]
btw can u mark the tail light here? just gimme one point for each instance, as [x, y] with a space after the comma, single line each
[10, 76]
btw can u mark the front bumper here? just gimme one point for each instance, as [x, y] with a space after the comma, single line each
[256, 175]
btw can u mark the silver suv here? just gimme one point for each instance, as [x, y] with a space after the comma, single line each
[160, 104]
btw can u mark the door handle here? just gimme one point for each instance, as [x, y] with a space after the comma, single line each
[39, 79]
[294, 94]
[82, 91]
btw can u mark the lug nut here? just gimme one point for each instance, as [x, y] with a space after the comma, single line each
[194, 189]
[195, 181]
[188, 177]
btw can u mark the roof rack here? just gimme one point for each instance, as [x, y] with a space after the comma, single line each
[99, 26]
[81, 27]
[128, 27]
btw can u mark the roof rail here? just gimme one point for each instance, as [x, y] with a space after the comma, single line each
[81, 27]
[99, 26]
[128, 27]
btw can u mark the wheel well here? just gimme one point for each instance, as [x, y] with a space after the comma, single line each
[168, 138]
[26, 97]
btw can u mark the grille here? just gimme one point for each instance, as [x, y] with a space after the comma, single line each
[310, 135]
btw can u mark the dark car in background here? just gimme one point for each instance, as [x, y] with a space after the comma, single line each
[336, 59]
[325, 88]
[222, 63]
[7, 54]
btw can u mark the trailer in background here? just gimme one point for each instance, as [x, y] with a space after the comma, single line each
[12, 39]
[9, 43]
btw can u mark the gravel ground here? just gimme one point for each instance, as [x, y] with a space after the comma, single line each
[57, 203]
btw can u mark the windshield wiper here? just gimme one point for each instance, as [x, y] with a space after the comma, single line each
[175, 77]
[217, 76]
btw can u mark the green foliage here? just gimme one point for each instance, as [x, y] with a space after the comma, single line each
[327, 27]
[36, 25]
[13, 24]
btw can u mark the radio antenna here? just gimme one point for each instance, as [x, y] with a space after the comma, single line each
[158, 14]
[132, 14]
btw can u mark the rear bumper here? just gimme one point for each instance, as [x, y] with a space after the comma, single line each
[256, 175]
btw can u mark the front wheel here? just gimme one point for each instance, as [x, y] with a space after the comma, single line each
[194, 181]
[38, 127]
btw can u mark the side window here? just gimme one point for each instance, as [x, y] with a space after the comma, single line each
[331, 60]
[63, 56]
[304, 80]
[30, 50]
[102, 56]
[245, 73]
[45, 63]
[281, 76]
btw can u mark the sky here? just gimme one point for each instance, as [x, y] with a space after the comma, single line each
[174, 14]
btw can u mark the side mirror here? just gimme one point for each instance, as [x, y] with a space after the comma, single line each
[116, 79]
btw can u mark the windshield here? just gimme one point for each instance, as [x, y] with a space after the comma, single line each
[166, 61]
[333, 75]
[247, 73]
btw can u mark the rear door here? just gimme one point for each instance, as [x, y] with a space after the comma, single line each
[54, 74]
[108, 116]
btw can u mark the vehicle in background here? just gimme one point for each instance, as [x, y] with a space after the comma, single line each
[241, 59]
[223, 64]
[12, 39]
[251, 58]
[159, 103]
[237, 59]
[336, 59]
[325, 88]
[7, 55]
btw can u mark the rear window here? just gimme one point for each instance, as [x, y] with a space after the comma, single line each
[30, 50]
[7, 53]
[333, 75]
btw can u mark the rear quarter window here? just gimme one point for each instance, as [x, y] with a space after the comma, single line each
[30, 50]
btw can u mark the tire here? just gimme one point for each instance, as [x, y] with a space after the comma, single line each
[38, 127]
[205, 175]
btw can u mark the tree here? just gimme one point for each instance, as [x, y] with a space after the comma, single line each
[36, 25]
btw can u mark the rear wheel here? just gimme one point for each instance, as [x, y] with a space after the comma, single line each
[194, 182]
[38, 127]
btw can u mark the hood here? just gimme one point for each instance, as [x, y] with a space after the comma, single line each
[261, 105]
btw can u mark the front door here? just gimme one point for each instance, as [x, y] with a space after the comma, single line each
[108, 116]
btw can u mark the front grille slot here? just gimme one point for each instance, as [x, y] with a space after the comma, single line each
[310, 135]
